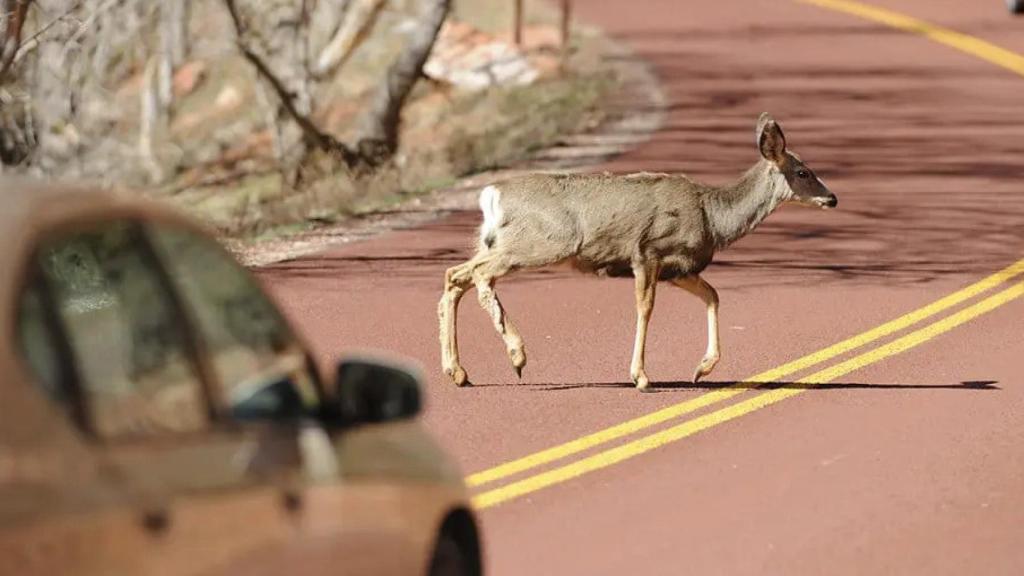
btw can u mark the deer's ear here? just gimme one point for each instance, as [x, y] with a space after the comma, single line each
[770, 139]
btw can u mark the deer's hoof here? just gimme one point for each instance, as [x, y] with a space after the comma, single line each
[698, 374]
[458, 376]
[704, 368]
[518, 358]
[642, 383]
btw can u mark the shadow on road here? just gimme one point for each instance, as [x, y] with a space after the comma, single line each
[923, 194]
[927, 190]
[673, 386]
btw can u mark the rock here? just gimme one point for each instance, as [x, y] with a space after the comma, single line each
[474, 60]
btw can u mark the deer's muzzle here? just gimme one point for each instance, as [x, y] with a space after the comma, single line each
[830, 201]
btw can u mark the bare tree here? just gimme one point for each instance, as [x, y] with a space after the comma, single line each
[14, 142]
[276, 49]
[62, 62]
[14, 14]
[271, 39]
[382, 119]
[57, 82]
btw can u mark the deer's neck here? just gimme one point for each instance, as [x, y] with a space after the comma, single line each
[733, 211]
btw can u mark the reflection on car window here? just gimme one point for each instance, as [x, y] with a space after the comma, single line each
[263, 371]
[129, 347]
[39, 345]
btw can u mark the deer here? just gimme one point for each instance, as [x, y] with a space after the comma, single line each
[655, 227]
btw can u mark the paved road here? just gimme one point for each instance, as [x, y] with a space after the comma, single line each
[906, 458]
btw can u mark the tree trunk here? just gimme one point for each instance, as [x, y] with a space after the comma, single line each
[277, 50]
[56, 118]
[14, 12]
[381, 123]
[517, 23]
[174, 19]
[173, 49]
[150, 117]
[354, 28]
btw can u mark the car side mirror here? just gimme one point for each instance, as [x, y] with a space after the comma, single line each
[371, 391]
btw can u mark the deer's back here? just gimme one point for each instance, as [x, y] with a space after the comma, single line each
[605, 223]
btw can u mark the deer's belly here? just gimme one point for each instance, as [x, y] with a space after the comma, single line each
[672, 267]
[616, 269]
[672, 271]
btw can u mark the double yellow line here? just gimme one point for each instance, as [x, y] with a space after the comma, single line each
[957, 40]
[647, 443]
[531, 483]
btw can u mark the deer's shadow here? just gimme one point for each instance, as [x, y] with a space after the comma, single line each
[681, 386]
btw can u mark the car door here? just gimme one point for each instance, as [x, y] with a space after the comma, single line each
[341, 528]
[60, 512]
[264, 376]
[206, 490]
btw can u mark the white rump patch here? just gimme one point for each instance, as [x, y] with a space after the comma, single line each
[490, 199]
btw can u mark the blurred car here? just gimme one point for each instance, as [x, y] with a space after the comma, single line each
[158, 415]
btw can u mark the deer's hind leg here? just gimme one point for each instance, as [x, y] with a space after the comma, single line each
[482, 271]
[456, 280]
[700, 288]
[484, 278]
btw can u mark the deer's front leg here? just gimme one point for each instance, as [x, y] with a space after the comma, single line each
[701, 289]
[646, 279]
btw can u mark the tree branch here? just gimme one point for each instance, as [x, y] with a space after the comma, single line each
[310, 131]
[33, 40]
[16, 11]
[355, 27]
[381, 123]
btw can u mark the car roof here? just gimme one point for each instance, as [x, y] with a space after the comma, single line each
[27, 203]
[28, 208]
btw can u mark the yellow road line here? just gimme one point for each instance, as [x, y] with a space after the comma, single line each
[962, 42]
[647, 443]
[631, 426]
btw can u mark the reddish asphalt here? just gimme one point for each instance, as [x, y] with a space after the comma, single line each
[913, 465]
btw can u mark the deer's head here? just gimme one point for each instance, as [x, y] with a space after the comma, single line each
[801, 184]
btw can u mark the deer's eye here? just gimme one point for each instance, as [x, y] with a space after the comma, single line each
[803, 174]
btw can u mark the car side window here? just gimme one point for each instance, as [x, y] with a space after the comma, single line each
[263, 371]
[39, 345]
[129, 346]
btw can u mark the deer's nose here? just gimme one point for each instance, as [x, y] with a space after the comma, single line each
[832, 201]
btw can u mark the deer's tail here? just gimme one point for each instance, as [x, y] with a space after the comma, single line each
[490, 206]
